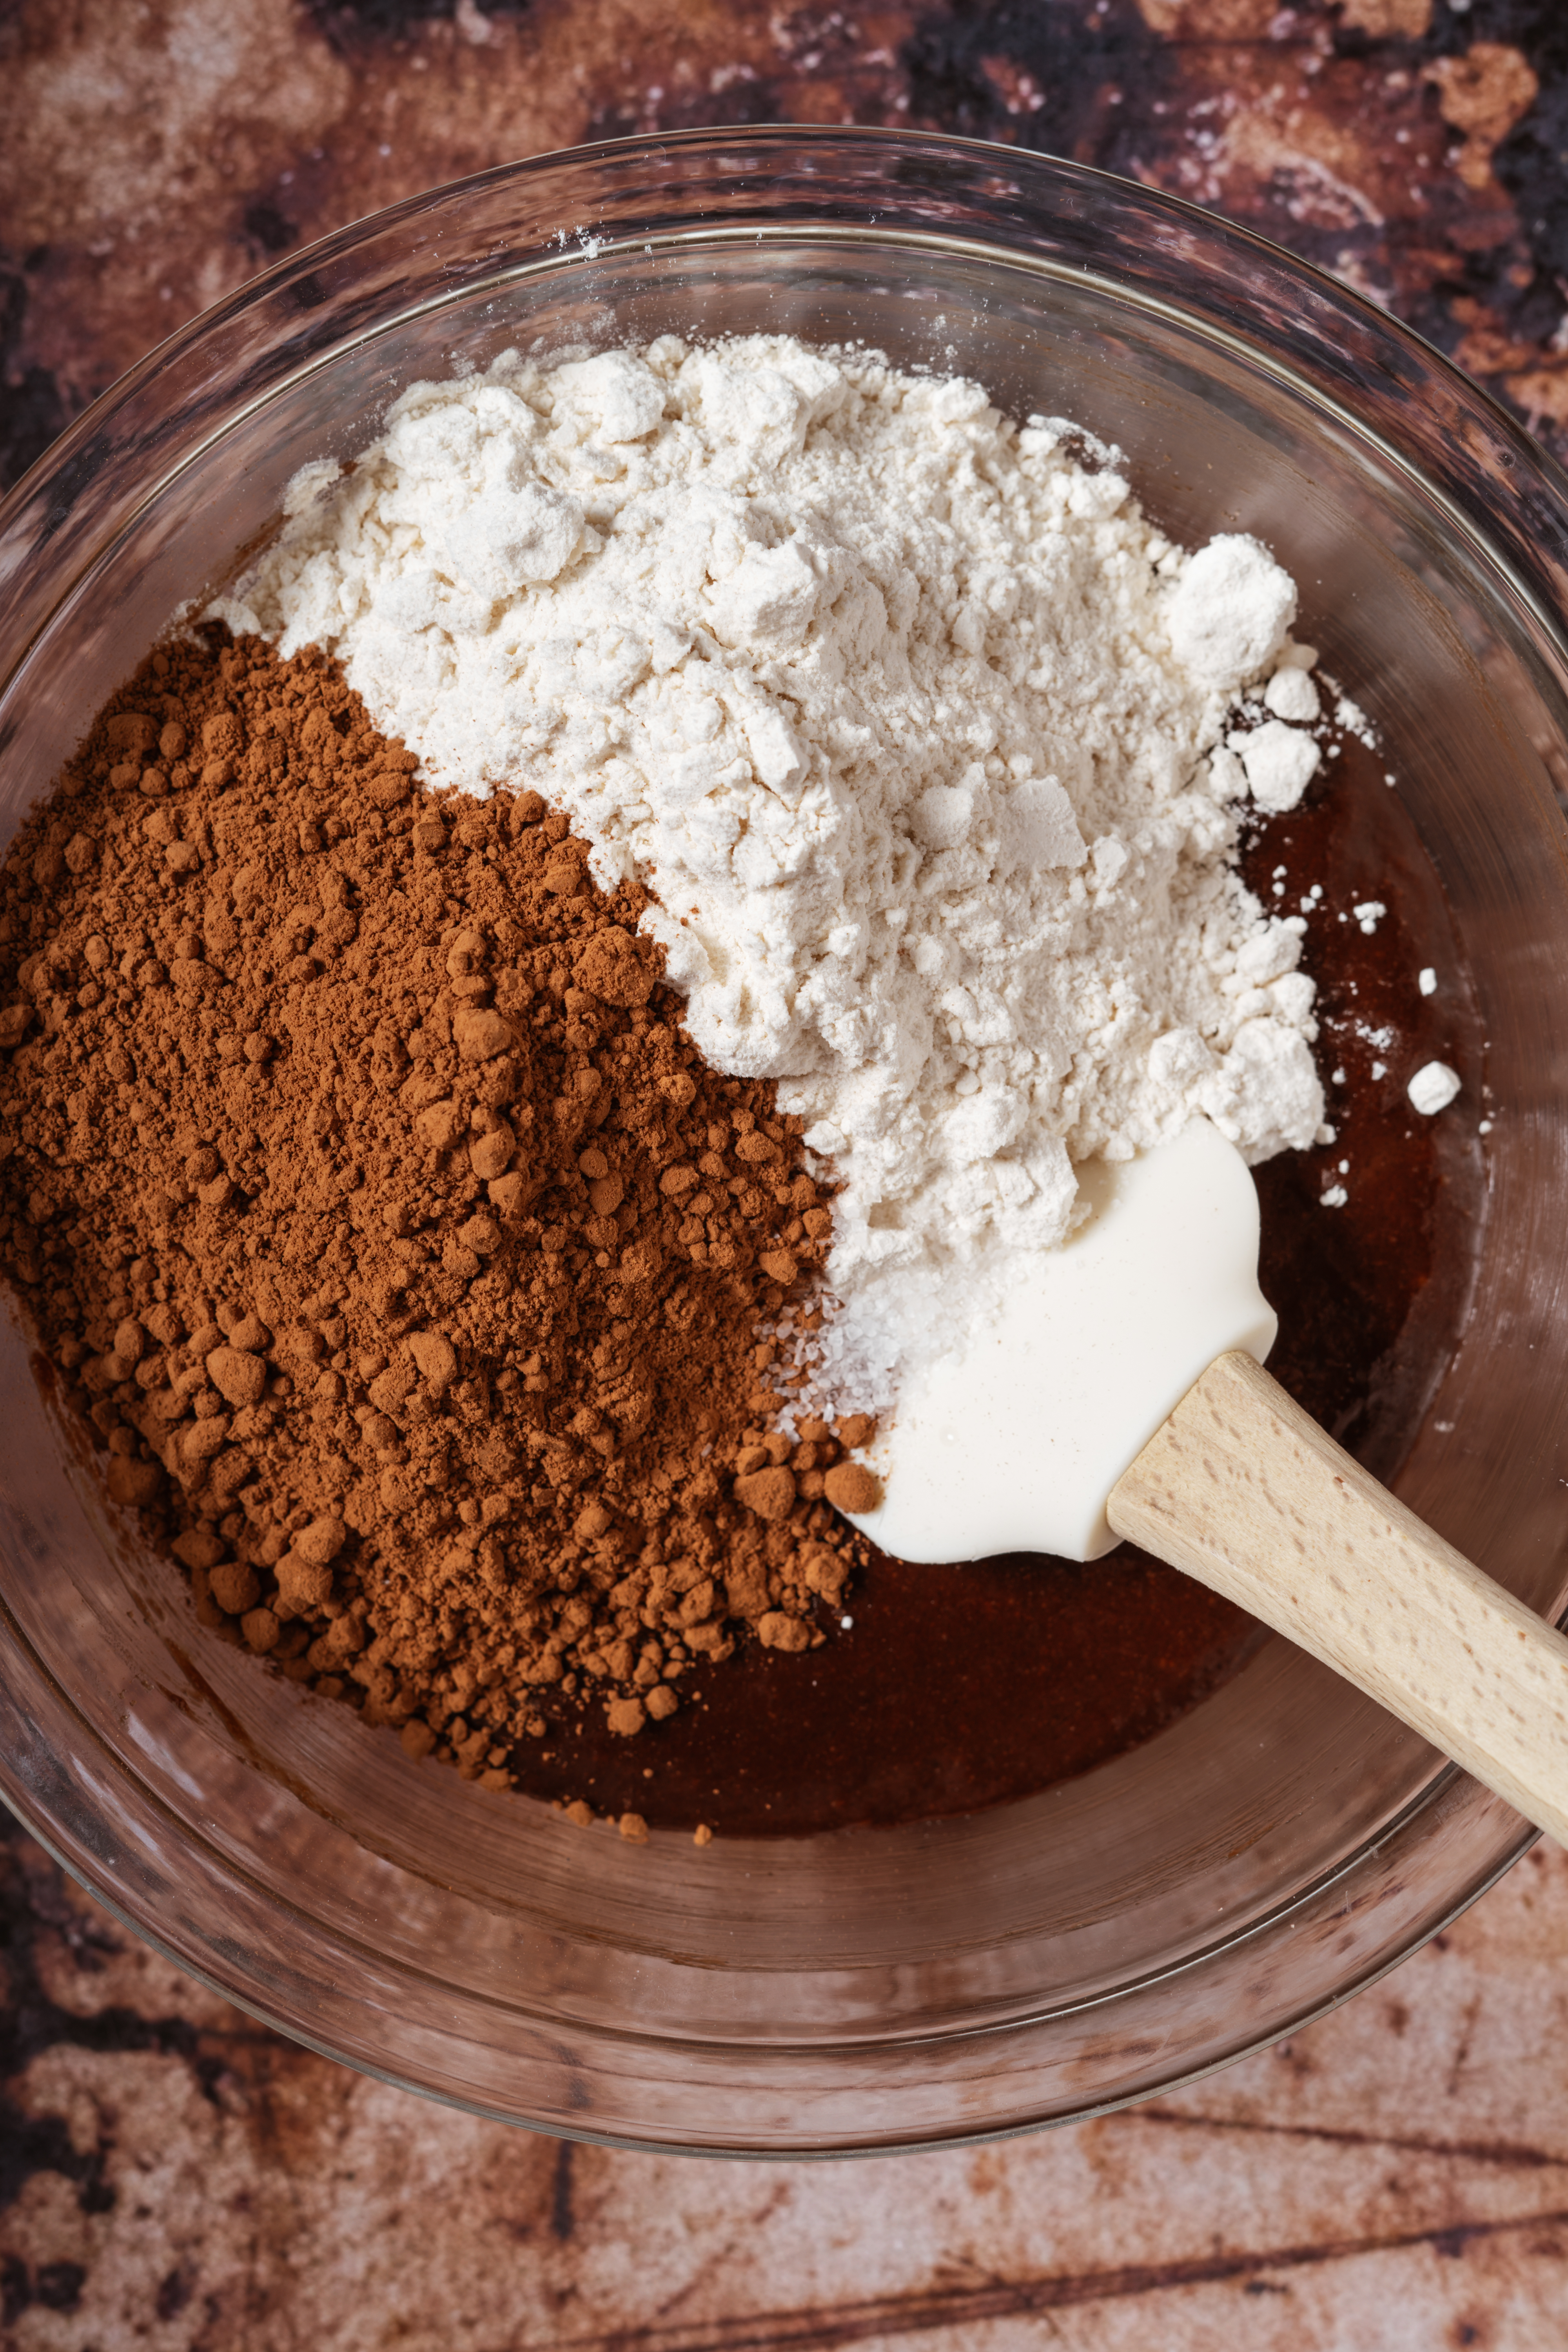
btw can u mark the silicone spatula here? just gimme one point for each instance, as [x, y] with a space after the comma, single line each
[1121, 1392]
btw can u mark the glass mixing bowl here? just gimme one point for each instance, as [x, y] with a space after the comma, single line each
[1284, 1842]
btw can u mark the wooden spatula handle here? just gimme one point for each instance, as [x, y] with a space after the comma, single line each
[1242, 1489]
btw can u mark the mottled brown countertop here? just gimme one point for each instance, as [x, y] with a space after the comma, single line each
[151, 157]
[1394, 2179]
[173, 2176]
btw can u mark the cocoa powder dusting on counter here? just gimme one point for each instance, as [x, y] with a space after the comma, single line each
[358, 1177]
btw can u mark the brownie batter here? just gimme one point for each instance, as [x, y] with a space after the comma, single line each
[961, 1686]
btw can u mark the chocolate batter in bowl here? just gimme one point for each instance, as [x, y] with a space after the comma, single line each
[1174, 1901]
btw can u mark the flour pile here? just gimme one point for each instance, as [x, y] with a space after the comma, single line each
[934, 750]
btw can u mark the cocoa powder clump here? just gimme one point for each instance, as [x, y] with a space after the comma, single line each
[386, 1230]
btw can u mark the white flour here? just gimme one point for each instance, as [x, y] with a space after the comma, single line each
[916, 727]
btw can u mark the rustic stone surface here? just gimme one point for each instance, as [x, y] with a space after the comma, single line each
[1410, 145]
[172, 2176]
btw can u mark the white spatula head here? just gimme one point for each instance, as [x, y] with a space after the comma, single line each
[1013, 1440]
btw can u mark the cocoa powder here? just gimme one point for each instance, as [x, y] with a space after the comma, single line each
[388, 1232]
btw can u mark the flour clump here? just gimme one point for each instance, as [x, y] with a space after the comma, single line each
[1231, 610]
[913, 723]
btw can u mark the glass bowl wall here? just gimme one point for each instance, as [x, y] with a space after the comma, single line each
[1281, 1844]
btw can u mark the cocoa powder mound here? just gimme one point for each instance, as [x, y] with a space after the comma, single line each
[385, 1228]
